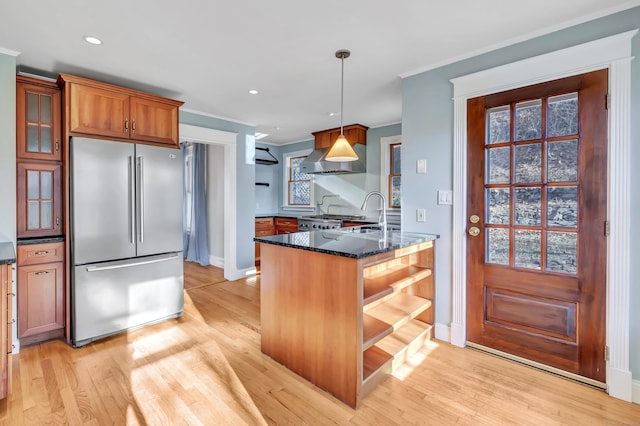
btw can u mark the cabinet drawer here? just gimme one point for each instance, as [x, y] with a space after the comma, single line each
[264, 222]
[35, 254]
[286, 222]
[264, 232]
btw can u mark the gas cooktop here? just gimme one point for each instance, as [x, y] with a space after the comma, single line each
[333, 217]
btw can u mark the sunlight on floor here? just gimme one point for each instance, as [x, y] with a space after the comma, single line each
[415, 360]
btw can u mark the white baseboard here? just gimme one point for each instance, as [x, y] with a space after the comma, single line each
[216, 261]
[442, 332]
[636, 391]
[458, 335]
[237, 274]
[620, 383]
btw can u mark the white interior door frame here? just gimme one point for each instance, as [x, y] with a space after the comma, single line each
[612, 53]
[189, 133]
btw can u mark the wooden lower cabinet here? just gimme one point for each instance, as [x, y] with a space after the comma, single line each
[6, 344]
[40, 292]
[264, 227]
[286, 225]
[345, 324]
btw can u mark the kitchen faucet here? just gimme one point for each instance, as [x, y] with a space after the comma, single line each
[382, 219]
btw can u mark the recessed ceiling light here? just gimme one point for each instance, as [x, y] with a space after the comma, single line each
[92, 40]
[333, 114]
[253, 91]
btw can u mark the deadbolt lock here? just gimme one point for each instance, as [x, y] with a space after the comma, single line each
[474, 231]
[474, 218]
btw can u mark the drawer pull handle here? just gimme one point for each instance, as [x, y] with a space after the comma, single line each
[41, 253]
[42, 273]
[13, 321]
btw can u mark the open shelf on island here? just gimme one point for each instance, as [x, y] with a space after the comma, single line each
[405, 341]
[393, 278]
[400, 309]
[374, 360]
[373, 331]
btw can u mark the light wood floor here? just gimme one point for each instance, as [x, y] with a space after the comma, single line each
[207, 368]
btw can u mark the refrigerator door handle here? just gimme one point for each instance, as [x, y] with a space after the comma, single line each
[128, 264]
[141, 196]
[132, 201]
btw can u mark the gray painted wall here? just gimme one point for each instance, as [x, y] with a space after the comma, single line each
[215, 200]
[245, 178]
[427, 126]
[351, 188]
[8, 162]
[8, 147]
[267, 201]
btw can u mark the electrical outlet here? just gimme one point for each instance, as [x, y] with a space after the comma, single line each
[420, 215]
[421, 166]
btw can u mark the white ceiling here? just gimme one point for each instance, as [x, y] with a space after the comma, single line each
[210, 53]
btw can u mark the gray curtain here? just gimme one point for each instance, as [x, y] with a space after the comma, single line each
[195, 240]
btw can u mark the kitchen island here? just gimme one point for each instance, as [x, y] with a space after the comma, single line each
[343, 308]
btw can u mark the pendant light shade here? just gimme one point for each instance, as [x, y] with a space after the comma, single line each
[341, 150]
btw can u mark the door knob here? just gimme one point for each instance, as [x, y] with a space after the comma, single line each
[474, 231]
[474, 218]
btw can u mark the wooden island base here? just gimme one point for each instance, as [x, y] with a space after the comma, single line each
[345, 323]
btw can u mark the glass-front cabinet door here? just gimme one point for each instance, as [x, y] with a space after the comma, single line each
[39, 208]
[38, 118]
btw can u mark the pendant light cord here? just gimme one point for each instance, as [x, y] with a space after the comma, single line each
[342, 96]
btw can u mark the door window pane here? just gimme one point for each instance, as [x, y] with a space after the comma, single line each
[32, 138]
[499, 205]
[33, 215]
[47, 221]
[528, 123]
[46, 139]
[527, 249]
[45, 109]
[33, 185]
[562, 252]
[497, 249]
[562, 115]
[528, 163]
[499, 124]
[562, 207]
[528, 206]
[562, 161]
[498, 165]
[32, 107]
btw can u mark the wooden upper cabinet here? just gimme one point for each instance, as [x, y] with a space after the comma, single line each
[101, 109]
[154, 121]
[98, 112]
[37, 119]
[355, 133]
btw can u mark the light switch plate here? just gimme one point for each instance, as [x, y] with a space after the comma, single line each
[421, 166]
[445, 197]
[420, 213]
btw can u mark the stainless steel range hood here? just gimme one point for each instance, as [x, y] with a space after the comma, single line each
[316, 164]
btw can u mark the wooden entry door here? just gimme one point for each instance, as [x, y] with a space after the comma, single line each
[536, 256]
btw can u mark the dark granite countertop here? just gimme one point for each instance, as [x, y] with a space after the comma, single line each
[42, 240]
[283, 215]
[7, 253]
[347, 243]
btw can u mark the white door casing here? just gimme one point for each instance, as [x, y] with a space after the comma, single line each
[189, 133]
[614, 54]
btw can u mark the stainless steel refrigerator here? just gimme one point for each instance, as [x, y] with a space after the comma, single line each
[126, 232]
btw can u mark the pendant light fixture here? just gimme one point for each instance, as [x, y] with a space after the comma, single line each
[341, 150]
